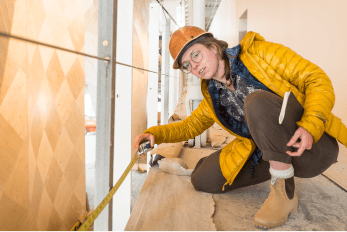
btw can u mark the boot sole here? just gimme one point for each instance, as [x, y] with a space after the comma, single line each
[263, 226]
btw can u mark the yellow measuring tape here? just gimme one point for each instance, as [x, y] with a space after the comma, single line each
[90, 220]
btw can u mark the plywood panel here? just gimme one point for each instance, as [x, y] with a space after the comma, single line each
[6, 18]
[42, 183]
[14, 188]
[139, 119]
[11, 145]
[140, 78]
[58, 120]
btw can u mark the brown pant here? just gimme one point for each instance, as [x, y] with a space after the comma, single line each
[262, 110]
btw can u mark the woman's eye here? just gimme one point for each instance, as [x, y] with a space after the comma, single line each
[186, 65]
[195, 54]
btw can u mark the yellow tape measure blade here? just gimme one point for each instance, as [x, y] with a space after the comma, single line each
[90, 220]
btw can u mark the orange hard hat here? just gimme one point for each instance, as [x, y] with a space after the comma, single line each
[181, 38]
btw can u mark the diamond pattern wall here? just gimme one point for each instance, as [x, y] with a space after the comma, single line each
[42, 176]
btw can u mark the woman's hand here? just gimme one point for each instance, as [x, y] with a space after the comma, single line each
[304, 144]
[146, 136]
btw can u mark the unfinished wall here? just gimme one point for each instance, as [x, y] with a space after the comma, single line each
[140, 78]
[42, 180]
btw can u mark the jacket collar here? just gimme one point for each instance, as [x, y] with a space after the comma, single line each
[232, 54]
[248, 40]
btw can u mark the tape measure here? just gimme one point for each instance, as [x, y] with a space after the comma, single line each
[143, 148]
[90, 220]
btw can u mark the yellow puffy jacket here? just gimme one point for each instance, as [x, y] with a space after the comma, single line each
[281, 70]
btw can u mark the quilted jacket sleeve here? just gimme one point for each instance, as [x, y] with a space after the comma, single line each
[194, 125]
[307, 77]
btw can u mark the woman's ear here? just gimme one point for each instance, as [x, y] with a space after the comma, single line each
[214, 48]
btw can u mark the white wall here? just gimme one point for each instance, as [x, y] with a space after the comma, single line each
[315, 29]
[172, 6]
[223, 25]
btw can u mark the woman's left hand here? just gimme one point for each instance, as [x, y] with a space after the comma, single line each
[304, 144]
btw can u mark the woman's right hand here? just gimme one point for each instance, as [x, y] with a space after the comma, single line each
[146, 136]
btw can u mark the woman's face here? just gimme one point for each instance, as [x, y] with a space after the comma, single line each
[207, 67]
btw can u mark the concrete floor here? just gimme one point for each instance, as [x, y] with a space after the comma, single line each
[322, 206]
[137, 181]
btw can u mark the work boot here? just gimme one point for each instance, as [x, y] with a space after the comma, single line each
[282, 202]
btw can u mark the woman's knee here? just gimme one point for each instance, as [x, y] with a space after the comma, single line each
[195, 181]
[262, 105]
[207, 176]
[252, 98]
[313, 163]
[259, 100]
[200, 184]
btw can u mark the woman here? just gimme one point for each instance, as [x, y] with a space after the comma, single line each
[243, 89]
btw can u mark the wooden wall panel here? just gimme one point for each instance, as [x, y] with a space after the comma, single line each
[42, 174]
[139, 98]
[6, 17]
[14, 189]
[57, 125]
[140, 78]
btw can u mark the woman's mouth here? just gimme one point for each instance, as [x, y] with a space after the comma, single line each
[201, 70]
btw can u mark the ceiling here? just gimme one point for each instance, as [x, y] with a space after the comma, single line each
[211, 7]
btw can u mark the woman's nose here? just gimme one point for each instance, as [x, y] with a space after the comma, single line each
[195, 65]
